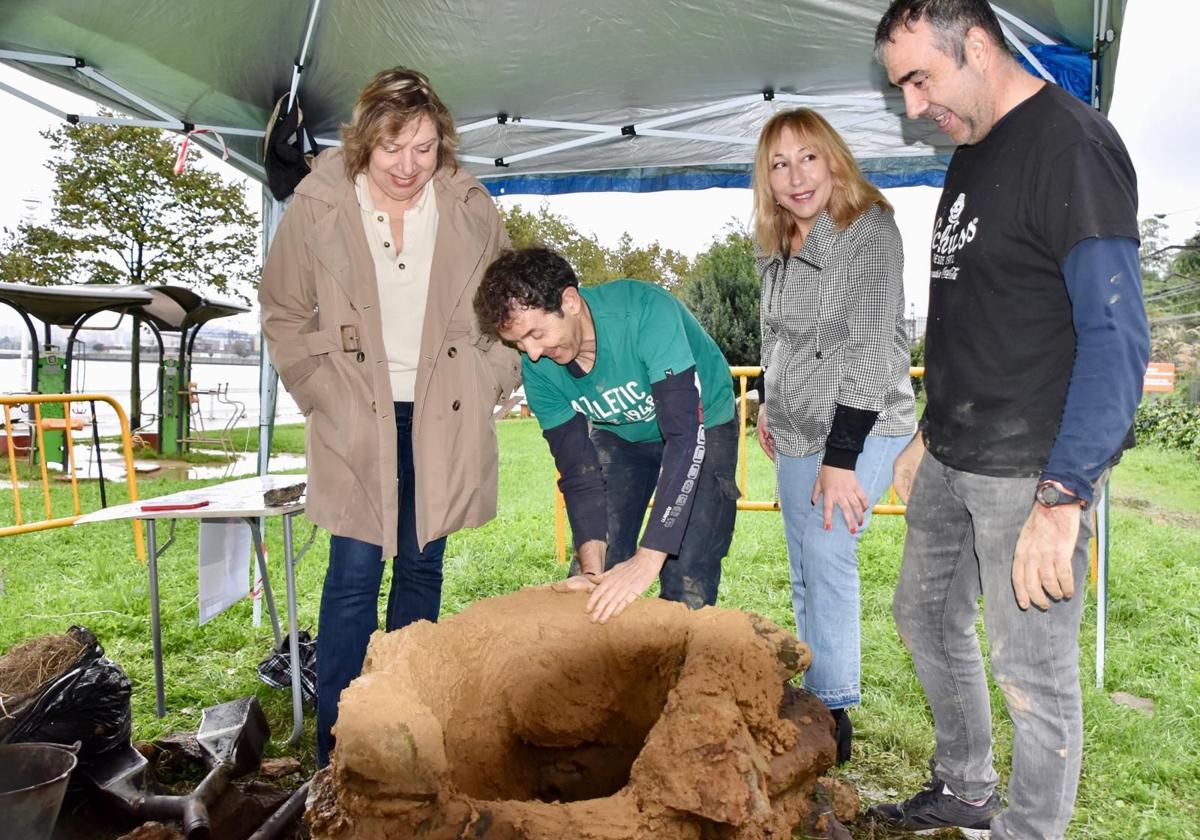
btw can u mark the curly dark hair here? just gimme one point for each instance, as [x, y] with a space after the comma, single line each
[528, 278]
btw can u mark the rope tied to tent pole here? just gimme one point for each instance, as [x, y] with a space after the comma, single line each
[181, 159]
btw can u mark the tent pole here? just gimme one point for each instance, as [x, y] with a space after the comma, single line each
[272, 211]
[1101, 583]
[298, 66]
[33, 100]
[1101, 15]
[1102, 37]
[1095, 53]
[268, 379]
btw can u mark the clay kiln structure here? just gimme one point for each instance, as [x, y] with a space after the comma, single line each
[519, 718]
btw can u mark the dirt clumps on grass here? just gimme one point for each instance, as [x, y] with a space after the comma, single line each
[519, 718]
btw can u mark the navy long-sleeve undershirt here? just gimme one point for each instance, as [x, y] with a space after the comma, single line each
[580, 480]
[1112, 345]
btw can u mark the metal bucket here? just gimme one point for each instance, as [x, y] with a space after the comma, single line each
[33, 779]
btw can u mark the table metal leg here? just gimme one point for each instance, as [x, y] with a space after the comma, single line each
[261, 554]
[155, 626]
[289, 567]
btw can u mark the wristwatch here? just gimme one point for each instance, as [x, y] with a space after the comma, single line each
[1053, 494]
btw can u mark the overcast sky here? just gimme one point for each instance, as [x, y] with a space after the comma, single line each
[1154, 107]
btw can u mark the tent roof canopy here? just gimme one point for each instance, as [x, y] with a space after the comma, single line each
[583, 95]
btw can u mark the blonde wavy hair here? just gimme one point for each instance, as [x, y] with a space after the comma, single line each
[852, 194]
[389, 103]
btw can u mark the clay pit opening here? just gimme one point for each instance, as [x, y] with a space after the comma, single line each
[575, 732]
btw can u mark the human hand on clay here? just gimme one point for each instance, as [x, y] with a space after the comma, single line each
[590, 562]
[576, 583]
[621, 585]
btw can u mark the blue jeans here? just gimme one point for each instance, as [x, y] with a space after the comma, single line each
[631, 473]
[962, 535]
[824, 567]
[350, 598]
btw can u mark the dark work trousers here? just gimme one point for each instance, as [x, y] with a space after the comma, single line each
[631, 473]
[349, 600]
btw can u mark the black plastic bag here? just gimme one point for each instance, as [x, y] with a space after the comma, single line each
[87, 702]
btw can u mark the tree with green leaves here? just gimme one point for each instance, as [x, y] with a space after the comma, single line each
[1171, 288]
[1153, 251]
[652, 262]
[120, 215]
[722, 291]
[1170, 276]
[593, 263]
[549, 230]
[1184, 276]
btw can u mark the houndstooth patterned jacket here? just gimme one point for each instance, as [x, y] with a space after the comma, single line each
[832, 319]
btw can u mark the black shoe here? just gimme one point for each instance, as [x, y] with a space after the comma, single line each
[933, 808]
[844, 734]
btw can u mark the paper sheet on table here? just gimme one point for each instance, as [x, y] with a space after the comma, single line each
[224, 565]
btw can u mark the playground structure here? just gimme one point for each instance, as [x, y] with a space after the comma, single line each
[162, 309]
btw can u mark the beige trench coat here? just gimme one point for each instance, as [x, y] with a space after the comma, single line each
[319, 293]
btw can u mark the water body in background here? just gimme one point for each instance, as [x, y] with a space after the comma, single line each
[224, 391]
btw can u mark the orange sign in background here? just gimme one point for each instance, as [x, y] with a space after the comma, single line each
[1160, 376]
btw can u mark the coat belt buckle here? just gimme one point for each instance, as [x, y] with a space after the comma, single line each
[350, 341]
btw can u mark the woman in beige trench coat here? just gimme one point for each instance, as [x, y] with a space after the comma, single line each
[366, 308]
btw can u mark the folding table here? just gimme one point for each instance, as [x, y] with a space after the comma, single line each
[239, 499]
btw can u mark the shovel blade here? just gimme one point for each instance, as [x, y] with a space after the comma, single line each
[234, 732]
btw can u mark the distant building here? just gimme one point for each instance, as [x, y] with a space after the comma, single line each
[916, 327]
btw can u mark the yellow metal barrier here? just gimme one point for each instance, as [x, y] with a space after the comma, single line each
[744, 373]
[40, 426]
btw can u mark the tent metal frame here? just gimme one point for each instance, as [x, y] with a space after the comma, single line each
[595, 133]
[165, 120]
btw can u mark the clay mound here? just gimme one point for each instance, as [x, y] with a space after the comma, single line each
[519, 718]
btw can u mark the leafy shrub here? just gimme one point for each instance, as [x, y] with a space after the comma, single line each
[1175, 425]
[916, 353]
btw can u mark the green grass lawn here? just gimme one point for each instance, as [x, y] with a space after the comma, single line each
[286, 438]
[1141, 774]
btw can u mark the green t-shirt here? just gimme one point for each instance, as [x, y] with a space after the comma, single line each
[643, 335]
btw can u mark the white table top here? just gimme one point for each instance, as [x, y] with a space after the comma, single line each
[240, 498]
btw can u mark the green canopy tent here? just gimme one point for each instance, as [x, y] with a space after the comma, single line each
[574, 96]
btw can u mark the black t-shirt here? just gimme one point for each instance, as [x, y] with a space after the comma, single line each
[1000, 341]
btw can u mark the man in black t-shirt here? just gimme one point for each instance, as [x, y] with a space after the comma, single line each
[1035, 353]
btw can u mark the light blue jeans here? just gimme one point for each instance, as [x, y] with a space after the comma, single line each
[824, 567]
[962, 535]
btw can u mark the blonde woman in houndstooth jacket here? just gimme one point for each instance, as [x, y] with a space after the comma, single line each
[837, 404]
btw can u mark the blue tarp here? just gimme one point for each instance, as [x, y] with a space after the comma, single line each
[884, 173]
